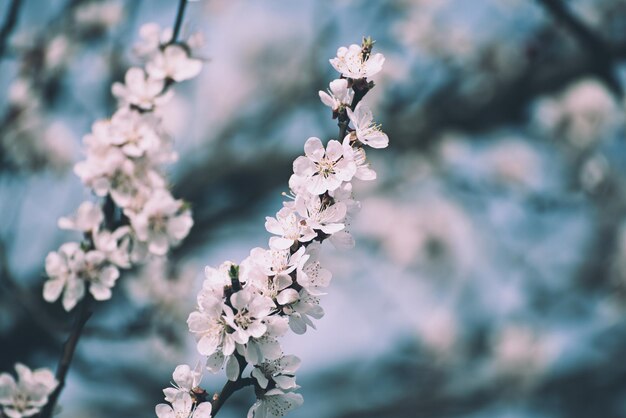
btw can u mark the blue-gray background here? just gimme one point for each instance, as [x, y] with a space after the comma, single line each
[489, 274]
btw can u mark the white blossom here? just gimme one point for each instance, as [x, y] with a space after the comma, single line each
[266, 347]
[162, 222]
[313, 278]
[247, 315]
[173, 63]
[338, 96]
[28, 395]
[209, 326]
[183, 407]
[358, 156]
[300, 312]
[61, 268]
[140, 90]
[88, 217]
[114, 245]
[217, 278]
[281, 371]
[70, 268]
[185, 379]
[136, 135]
[350, 63]
[326, 217]
[366, 131]
[275, 403]
[152, 37]
[289, 228]
[325, 169]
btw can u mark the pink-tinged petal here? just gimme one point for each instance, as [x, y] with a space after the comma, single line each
[374, 64]
[331, 183]
[314, 149]
[164, 411]
[203, 410]
[228, 346]
[182, 376]
[99, 291]
[159, 245]
[232, 368]
[365, 173]
[297, 325]
[273, 226]
[334, 150]
[362, 116]
[326, 99]
[179, 226]
[7, 388]
[377, 139]
[345, 170]
[74, 291]
[198, 323]
[335, 213]
[183, 404]
[285, 382]
[307, 234]
[287, 296]
[170, 394]
[208, 344]
[257, 329]
[280, 243]
[339, 87]
[260, 377]
[317, 185]
[52, 289]
[332, 228]
[303, 167]
[134, 76]
[215, 362]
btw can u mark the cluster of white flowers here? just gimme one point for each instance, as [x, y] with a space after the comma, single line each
[28, 395]
[138, 216]
[244, 309]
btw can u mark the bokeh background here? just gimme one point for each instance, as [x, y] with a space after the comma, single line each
[489, 276]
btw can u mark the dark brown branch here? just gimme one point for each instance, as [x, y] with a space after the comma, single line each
[592, 42]
[69, 348]
[9, 24]
[231, 387]
[179, 20]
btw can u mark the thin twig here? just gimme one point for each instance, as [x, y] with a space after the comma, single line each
[179, 20]
[593, 43]
[9, 24]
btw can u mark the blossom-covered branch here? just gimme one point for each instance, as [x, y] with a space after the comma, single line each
[243, 309]
[136, 217]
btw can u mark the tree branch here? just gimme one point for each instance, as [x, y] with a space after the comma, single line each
[179, 20]
[9, 24]
[593, 43]
[69, 348]
[231, 387]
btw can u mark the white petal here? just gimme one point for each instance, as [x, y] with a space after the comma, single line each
[232, 368]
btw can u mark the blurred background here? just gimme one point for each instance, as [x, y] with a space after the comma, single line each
[489, 276]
